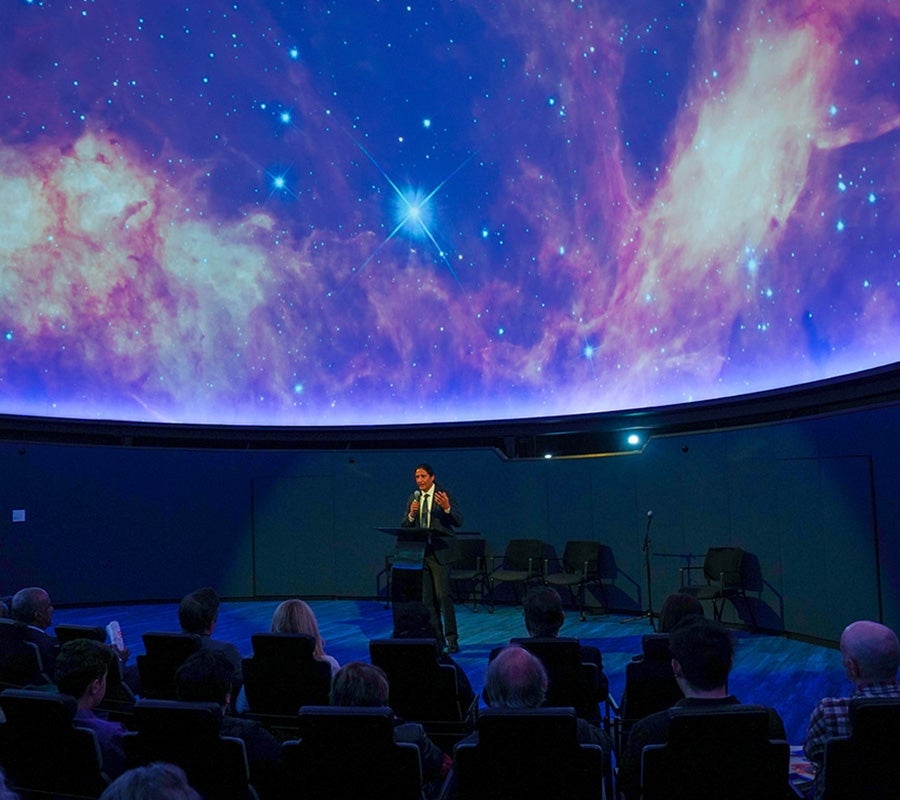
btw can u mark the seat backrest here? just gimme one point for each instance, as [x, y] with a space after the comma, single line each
[527, 754]
[723, 565]
[20, 660]
[722, 752]
[66, 633]
[349, 753]
[283, 675]
[570, 682]
[188, 734]
[119, 697]
[865, 764]
[650, 685]
[577, 552]
[519, 551]
[42, 750]
[165, 653]
[293, 647]
[470, 551]
[422, 689]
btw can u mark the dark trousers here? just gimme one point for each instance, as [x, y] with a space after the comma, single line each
[438, 600]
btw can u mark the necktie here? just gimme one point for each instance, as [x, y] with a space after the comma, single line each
[424, 511]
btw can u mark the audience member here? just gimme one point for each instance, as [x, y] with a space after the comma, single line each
[32, 607]
[198, 613]
[675, 608]
[156, 781]
[81, 670]
[412, 621]
[702, 657]
[359, 684]
[870, 653]
[516, 679]
[544, 618]
[207, 676]
[658, 688]
[294, 616]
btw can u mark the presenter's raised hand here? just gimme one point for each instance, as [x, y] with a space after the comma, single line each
[442, 500]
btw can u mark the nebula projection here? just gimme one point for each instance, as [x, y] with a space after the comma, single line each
[379, 212]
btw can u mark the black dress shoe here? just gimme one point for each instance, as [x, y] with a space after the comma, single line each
[453, 647]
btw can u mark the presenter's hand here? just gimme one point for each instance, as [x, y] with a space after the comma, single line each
[442, 500]
[414, 508]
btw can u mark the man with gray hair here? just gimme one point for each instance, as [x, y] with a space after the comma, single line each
[516, 679]
[870, 653]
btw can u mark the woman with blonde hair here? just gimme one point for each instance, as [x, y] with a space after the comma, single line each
[295, 616]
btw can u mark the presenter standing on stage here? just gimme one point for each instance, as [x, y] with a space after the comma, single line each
[431, 506]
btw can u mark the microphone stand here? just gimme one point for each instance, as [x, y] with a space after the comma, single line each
[648, 614]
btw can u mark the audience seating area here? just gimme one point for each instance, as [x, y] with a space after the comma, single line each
[343, 752]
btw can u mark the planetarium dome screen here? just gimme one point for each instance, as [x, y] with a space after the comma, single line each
[385, 211]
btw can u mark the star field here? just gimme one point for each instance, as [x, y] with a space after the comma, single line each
[376, 212]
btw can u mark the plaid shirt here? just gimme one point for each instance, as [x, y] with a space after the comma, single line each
[831, 718]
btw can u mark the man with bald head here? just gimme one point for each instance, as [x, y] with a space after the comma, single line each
[870, 653]
[32, 607]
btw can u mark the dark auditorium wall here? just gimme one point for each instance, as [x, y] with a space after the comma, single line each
[814, 502]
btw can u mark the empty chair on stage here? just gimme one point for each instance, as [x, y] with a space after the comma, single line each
[520, 565]
[723, 571]
[469, 570]
[578, 568]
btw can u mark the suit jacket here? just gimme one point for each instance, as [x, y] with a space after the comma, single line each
[441, 547]
[47, 644]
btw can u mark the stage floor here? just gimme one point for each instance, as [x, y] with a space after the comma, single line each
[788, 674]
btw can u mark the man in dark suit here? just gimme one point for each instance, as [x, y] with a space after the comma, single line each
[33, 608]
[198, 613]
[432, 507]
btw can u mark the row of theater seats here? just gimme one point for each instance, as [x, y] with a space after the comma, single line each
[534, 754]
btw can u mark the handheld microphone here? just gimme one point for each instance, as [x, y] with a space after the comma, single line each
[417, 494]
[649, 515]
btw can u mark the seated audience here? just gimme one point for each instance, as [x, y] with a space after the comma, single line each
[871, 656]
[412, 621]
[81, 671]
[544, 617]
[32, 607]
[702, 657]
[516, 679]
[358, 684]
[208, 677]
[156, 781]
[198, 613]
[294, 616]
[656, 669]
